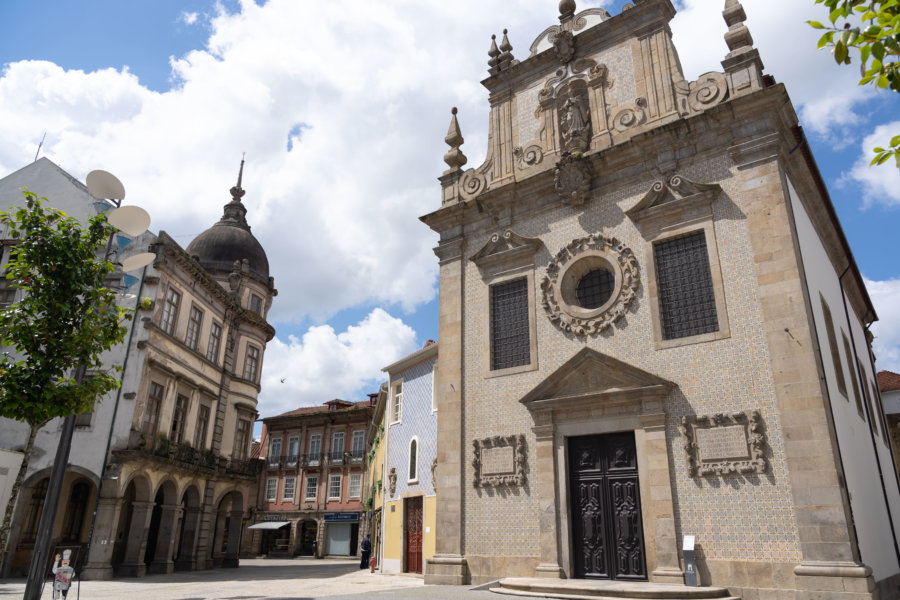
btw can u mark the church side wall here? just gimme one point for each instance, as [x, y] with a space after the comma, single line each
[850, 407]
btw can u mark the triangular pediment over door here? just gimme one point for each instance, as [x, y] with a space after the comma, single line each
[591, 377]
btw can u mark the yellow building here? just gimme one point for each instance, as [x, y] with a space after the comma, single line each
[410, 449]
[374, 485]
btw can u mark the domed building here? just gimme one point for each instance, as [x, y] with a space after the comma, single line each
[165, 460]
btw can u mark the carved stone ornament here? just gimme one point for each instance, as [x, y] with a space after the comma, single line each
[724, 443]
[499, 461]
[564, 44]
[433, 470]
[392, 481]
[710, 89]
[630, 115]
[577, 259]
[572, 178]
[528, 157]
[506, 250]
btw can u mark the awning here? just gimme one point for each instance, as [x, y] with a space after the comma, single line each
[270, 525]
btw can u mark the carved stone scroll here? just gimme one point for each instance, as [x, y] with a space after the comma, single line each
[724, 443]
[499, 461]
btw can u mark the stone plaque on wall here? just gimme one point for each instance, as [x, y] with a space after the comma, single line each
[499, 461]
[724, 443]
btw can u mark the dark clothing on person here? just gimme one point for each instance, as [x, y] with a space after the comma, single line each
[366, 551]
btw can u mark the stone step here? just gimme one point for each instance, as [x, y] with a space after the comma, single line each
[585, 589]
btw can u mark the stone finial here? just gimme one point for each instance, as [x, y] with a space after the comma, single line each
[237, 192]
[506, 57]
[566, 10]
[494, 54]
[454, 157]
[738, 36]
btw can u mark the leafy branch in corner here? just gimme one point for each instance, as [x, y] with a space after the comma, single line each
[873, 28]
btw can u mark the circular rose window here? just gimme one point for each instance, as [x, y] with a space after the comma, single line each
[589, 285]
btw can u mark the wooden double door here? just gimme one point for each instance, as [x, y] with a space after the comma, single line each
[413, 527]
[607, 532]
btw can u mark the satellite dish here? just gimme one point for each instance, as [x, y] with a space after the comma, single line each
[132, 220]
[104, 185]
[137, 261]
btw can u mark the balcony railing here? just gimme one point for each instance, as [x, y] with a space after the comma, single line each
[356, 456]
[335, 458]
[185, 456]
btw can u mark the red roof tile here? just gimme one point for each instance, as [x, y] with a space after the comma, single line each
[311, 410]
[888, 381]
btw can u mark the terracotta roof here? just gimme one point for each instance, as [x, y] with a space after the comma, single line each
[311, 410]
[888, 381]
[254, 449]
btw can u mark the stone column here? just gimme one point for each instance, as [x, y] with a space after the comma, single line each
[205, 533]
[448, 565]
[233, 549]
[548, 501]
[162, 558]
[98, 566]
[133, 562]
[218, 537]
[187, 553]
[658, 506]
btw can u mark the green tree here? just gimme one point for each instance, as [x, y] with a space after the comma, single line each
[66, 317]
[871, 27]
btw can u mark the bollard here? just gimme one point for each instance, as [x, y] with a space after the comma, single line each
[372, 565]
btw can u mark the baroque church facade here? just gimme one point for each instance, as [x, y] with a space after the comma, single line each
[652, 328]
[163, 462]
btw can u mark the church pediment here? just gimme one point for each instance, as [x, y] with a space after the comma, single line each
[506, 250]
[593, 376]
[676, 195]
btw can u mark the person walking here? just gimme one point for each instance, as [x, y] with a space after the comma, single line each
[366, 548]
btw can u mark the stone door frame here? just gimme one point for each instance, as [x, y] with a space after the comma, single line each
[594, 394]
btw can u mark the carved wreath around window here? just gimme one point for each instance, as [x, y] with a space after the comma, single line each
[499, 461]
[725, 443]
[590, 284]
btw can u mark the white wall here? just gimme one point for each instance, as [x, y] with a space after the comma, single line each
[858, 453]
[9, 468]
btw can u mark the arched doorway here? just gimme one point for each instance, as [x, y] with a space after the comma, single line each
[229, 526]
[160, 537]
[186, 548]
[134, 523]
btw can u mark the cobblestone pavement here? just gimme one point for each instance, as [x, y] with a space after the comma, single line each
[297, 579]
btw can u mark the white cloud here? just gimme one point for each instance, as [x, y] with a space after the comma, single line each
[881, 184]
[884, 296]
[324, 365]
[188, 18]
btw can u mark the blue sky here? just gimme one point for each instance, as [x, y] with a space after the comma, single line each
[342, 109]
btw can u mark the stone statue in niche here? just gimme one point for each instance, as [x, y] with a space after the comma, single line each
[575, 121]
[392, 481]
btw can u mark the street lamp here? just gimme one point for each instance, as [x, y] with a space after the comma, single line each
[131, 220]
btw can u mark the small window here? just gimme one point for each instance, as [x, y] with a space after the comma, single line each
[194, 324]
[271, 489]
[833, 347]
[510, 341]
[853, 379]
[687, 301]
[215, 340]
[396, 402]
[255, 303]
[170, 311]
[251, 363]
[241, 440]
[178, 418]
[873, 414]
[293, 448]
[83, 420]
[7, 292]
[275, 450]
[312, 487]
[357, 449]
[334, 487]
[151, 412]
[413, 460]
[287, 494]
[355, 485]
[202, 427]
[315, 448]
[337, 445]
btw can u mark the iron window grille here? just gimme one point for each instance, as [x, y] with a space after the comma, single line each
[687, 301]
[510, 342]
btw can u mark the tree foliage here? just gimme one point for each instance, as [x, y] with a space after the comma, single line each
[67, 316]
[872, 27]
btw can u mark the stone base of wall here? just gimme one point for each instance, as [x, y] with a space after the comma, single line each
[446, 569]
[483, 569]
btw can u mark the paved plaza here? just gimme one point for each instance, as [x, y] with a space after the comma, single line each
[297, 579]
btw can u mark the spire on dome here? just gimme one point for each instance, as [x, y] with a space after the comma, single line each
[237, 192]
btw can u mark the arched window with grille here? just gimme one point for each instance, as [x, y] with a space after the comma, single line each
[76, 509]
[29, 533]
